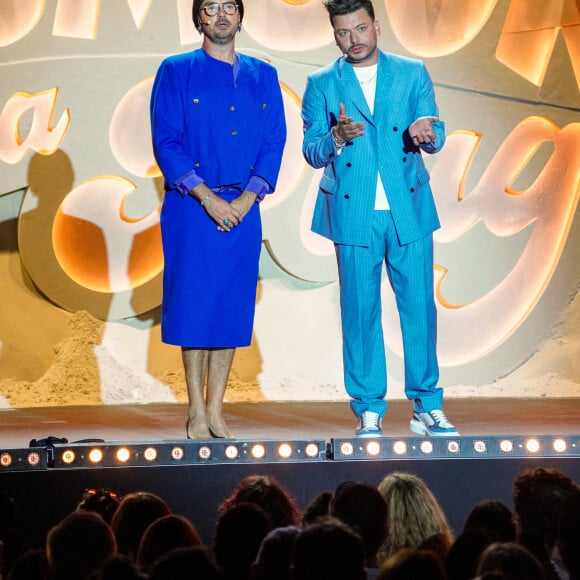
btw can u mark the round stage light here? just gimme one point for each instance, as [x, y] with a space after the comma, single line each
[68, 456]
[258, 451]
[346, 449]
[480, 446]
[400, 448]
[177, 453]
[426, 447]
[559, 445]
[532, 445]
[231, 452]
[373, 448]
[204, 452]
[5, 460]
[312, 450]
[453, 447]
[96, 455]
[506, 446]
[150, 454]
[123, 455]
[33, 459]
[285, 450]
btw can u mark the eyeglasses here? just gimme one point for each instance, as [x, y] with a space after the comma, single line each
[212, 9]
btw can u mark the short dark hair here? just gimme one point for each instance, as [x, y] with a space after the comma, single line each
[342, 7]
[196, 9]
[362, 506]
[539, 497]
[328, 548]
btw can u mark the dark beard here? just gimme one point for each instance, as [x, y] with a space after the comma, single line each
[221, 40]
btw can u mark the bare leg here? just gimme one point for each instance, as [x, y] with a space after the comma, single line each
[220, 364]
[195, 363]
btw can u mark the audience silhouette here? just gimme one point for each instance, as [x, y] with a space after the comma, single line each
[267, 493]
[163, 535]
[494, 517]
[539, 498]
[412, 564]
[239, 533]
[396, 530]
[101, 501]
[78, 546]
[413, 514]
[362, 507]
[135, 512]
[195, 563]
[328, 549]
[512, 560]
[274, 558]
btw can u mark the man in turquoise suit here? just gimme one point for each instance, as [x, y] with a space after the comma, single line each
[219, 131]
[368, 117]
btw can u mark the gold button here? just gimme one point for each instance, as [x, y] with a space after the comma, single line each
[196, 101]
[234, 132]
[264, 105]
[232, 108]
[196, 164]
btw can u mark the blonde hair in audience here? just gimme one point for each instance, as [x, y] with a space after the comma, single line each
[413, 514]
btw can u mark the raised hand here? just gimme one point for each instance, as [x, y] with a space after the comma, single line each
[345, 129]
[421, 131]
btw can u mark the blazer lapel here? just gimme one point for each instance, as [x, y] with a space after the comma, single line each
[353, 91]
[384, 101]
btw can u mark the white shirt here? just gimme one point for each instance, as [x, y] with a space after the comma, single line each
[367, 77]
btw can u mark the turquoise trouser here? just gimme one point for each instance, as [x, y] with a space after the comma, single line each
[410, 272]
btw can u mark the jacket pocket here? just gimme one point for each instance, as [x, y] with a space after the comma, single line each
[327, 184]
[423, 177]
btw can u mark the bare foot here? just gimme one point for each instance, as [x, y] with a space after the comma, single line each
[197, 428]
[218, 428]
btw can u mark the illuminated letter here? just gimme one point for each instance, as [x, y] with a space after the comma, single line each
[18, 18]
[469, 331]
[42, 137]
[432, 28]
[80, 18]
[530, 32]
[77, 18]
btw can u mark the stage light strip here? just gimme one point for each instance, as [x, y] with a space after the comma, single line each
[450, 447]
[227, 451]
[179, 452]
[22, 460]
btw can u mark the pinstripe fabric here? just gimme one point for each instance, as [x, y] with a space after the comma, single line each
[364, 238]
[347, 188]
[410, 272]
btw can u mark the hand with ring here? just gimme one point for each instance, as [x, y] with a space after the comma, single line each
[225, 224]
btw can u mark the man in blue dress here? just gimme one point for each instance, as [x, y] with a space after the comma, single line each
[368, 117]
[218, 132]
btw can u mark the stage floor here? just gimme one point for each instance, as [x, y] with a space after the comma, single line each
[283, 420]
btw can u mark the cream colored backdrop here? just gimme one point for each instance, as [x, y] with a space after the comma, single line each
[80, 254]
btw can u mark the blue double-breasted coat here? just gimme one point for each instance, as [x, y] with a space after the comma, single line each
[221, 124]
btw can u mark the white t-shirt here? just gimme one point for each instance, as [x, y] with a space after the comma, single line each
[367, 77]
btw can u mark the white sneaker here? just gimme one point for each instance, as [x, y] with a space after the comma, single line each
[369, 425]
[433, 423]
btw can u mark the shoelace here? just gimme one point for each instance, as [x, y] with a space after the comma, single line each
[370, 420]
[440, 418]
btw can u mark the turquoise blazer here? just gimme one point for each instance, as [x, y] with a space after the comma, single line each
[347, 188]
